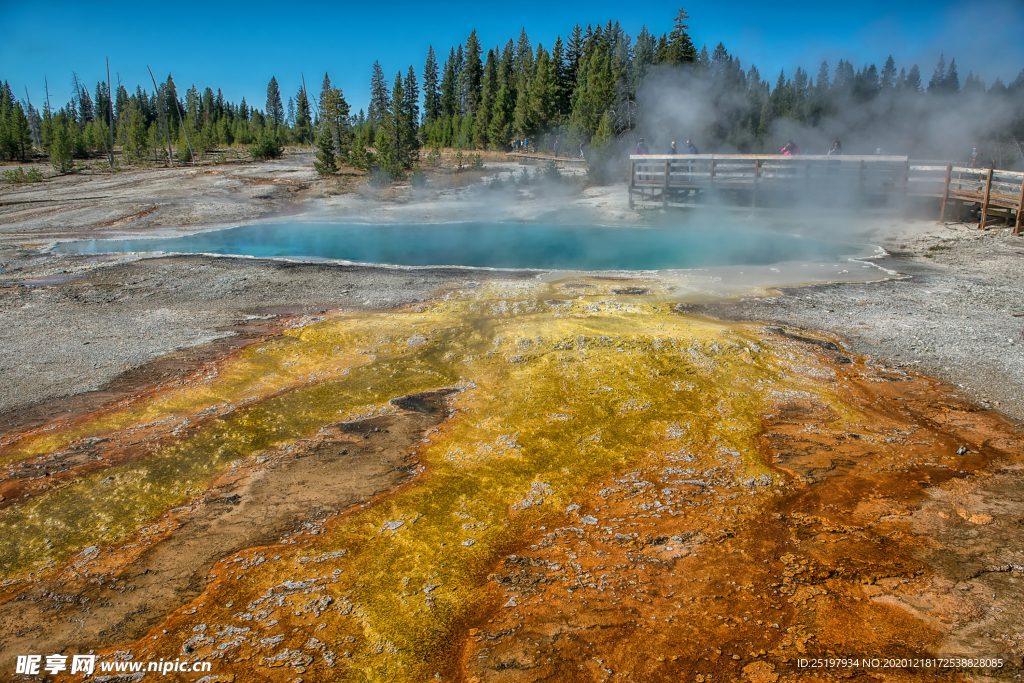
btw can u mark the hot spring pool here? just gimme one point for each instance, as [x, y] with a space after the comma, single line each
[494, 245]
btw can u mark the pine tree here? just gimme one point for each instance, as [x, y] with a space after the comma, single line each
[595, 91]
[380, 100]
[449, 87]
[679, 48]
[303, 127]
[703, 59]
[573, 54]
[102, 102]
[542, 91]
[913, 82]
[559, 71]
[274, 108]
[889, 74]
[334, 113]
[523, 55]
[605, 132]
[392, 150]
[500, 130]
[121, 102]
[488, 94]
[643, 58]
[411, 115]
[823, 76]
[60, 149]
[951, 84]
[973, 85]
[938, 82]
[472, 73]
[431, 95]
[325, 163]
[86, 112]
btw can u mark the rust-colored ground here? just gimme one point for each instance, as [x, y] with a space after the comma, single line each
[884, 542]
[523, 486]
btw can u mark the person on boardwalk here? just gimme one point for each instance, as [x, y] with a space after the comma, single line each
[671, 148]
[690, 149]
[641, 148]
[581, 152]
[973, 161]
[556, 148]
[837, 149]
[790, 149]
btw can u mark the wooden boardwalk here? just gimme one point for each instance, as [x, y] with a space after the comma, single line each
[766, 180]
[546, 157]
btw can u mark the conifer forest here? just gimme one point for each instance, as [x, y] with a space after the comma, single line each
[597, 85]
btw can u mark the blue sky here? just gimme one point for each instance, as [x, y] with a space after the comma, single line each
[239, 46]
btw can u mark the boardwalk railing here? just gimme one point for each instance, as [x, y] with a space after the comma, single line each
[773, 180]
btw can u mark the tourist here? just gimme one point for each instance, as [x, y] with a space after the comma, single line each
[556, 148]
[973, 161]
[672, 148]
[581, 152]
[790, 149]
[690, 149]
[641, 148]
[837, 149]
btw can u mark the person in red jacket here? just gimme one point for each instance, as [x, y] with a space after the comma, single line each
[790, 149]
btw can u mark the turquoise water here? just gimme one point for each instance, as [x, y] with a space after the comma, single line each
[493, 245]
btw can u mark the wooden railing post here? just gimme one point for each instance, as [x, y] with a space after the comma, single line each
[1020, 208]
[712, 174]
[664, 195]
[945, 193]
[757, 172]
[984, 204]
[632, 180]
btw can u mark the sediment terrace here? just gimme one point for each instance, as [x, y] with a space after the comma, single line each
[520, 481]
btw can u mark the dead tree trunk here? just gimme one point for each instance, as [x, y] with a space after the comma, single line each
[184, 129]
[306, 92]
[110, 115]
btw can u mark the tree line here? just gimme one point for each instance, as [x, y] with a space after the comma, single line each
[595, 87]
